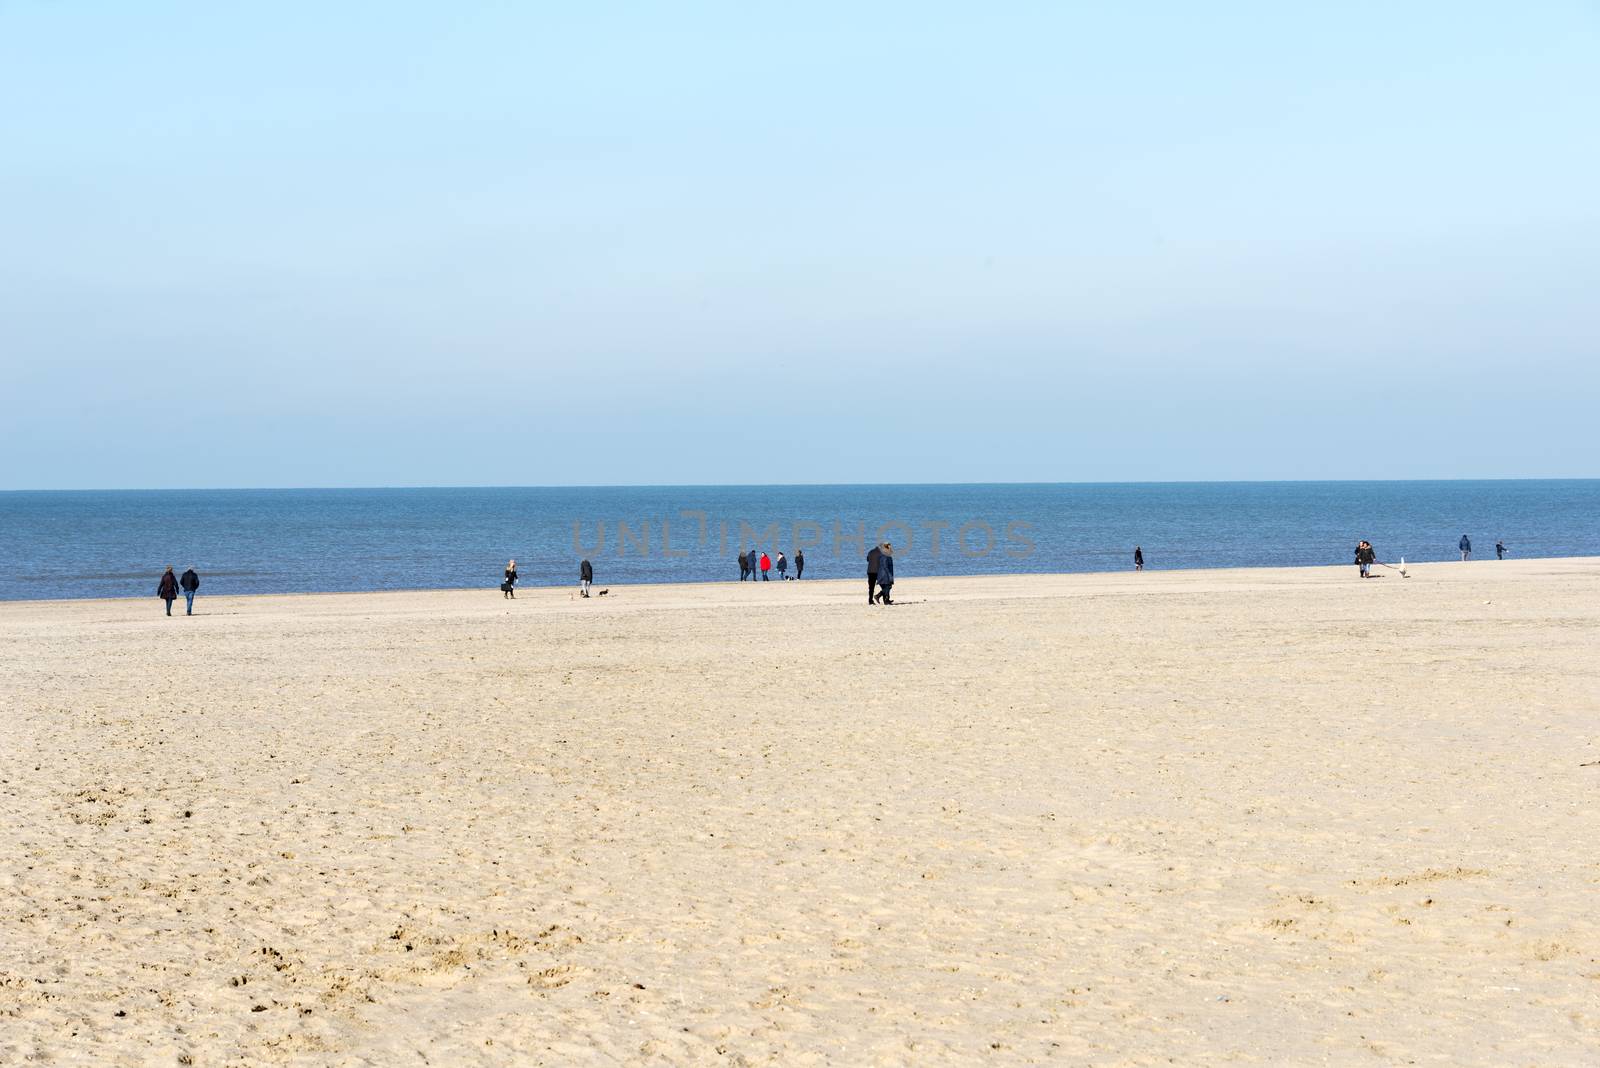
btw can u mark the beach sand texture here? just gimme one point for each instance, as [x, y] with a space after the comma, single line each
[1268, 816]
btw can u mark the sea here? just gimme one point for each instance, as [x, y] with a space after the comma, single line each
[82, 544]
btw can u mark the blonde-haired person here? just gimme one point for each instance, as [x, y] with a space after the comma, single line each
[509, 586]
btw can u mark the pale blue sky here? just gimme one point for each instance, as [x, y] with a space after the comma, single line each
[401, 244]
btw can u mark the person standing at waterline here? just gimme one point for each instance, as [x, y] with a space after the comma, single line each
[783, 567]
[1500, 549]
[1138, 558]
[167, 588]
[1465, 545]
[744, 566]
[886, 573]
[585, 576]
[799, 563]
[766, 566]
[509, 587]
[874, 561]
[188, 582]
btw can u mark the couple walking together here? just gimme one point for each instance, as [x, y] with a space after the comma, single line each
[880, 574]
[167, 589]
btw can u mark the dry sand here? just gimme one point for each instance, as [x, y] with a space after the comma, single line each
[1255, 816]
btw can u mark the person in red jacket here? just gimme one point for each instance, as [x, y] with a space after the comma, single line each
[766, 565]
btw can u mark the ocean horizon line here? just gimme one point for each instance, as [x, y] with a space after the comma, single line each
[798, 485]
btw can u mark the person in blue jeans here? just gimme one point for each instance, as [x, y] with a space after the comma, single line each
[1465, 545]
[188, 584]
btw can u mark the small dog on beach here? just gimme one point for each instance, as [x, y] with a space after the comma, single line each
[603, 592]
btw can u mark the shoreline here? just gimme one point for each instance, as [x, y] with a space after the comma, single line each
[1414, 567]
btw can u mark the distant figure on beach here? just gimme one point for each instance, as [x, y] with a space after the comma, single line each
[1138, 558]
[585, 576]
[885, 573]
[1366, 556]
[874, 560]
[799, 563]
[509, 586]
[1465, 545]
[1499, 549]
[167, 588]
[188, 582]
[766, 566]
[744, 566]
[783, 567]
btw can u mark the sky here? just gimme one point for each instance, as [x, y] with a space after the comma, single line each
[536, 244]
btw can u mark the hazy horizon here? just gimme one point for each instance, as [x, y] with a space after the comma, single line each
[780, 485]
[910, 244]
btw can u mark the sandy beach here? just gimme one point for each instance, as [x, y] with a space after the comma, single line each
[1265, 816]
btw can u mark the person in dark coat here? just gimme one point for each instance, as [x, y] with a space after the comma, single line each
[874, 559]
[799, 563]
[167, 588]
[1138, 558]
[744, 566]
[1500, 549]
[783, 567]
[1366, 556]
[886, 574]
[585, 576]
[1465, 545]
[188, 582]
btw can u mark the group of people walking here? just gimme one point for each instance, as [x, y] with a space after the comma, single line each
[752, 564]
[171, 585]
[880, 572]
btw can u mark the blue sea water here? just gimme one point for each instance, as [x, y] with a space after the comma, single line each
[115, 543]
